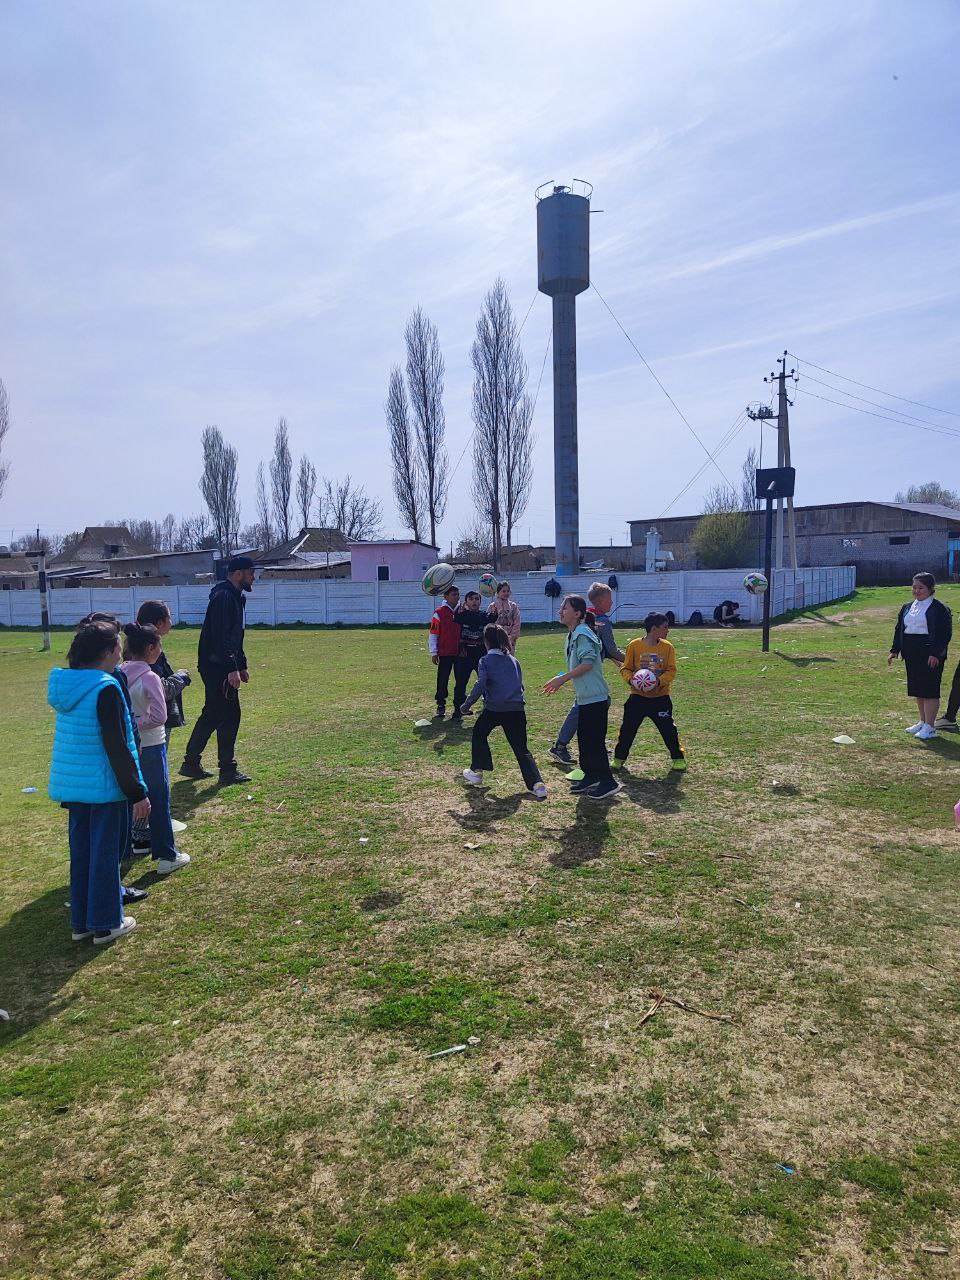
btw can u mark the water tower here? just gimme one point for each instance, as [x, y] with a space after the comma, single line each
[563, 258]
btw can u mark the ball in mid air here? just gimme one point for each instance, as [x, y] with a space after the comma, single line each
[437, 578]
[755, 583]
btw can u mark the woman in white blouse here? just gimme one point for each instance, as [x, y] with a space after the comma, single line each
[922, 634]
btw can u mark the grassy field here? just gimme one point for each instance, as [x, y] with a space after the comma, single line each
[242, 1088]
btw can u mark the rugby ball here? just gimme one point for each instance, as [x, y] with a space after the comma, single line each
[488, 585]
[437, 578]
[644, 680]
[755, 583]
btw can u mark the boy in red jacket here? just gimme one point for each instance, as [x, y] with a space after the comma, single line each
[444, 642]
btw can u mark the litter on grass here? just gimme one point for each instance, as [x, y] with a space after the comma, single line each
[785, 1168]
[456, 1048]
[364, 840]
[178, 826]
[421, 724]
[4, 1016]
[844, 740]
[29, 791]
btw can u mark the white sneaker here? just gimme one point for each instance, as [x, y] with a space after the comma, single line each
[538, 791]
[926, 732]
[166, 865]
[475, 778]
[914, 728]
[128, 925]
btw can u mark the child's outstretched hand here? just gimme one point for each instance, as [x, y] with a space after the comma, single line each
[553, 685]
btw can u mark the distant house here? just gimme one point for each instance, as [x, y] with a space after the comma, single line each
[391, 560]
[312, 548]
[99, 544]
[17, 573]
[531, 559]
[176, 568]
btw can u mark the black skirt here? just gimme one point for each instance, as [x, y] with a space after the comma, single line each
[923, 681]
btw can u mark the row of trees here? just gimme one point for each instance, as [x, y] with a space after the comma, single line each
[502, 413]
[339, 504]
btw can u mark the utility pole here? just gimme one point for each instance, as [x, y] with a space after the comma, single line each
[783, 454]
[44, 598]
[765, 414]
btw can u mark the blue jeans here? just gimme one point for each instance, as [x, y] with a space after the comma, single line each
[568, 730]
[153, 764]
[97, 834]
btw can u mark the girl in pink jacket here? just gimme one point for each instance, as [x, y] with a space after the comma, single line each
[141, 648]
[506, 614]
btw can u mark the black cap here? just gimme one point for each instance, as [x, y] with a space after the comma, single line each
[236, 563]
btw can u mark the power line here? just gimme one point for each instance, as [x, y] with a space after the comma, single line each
[890, 394]
[937, 426]
[680, 413]
[902, 422]
[732, 431]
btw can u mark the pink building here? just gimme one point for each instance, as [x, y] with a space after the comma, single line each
[392, 560]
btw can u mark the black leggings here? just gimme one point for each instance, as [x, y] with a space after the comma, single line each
[660, 711]
[592, 720]
[514, 725]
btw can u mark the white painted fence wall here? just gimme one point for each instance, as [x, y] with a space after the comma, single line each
[403, 602]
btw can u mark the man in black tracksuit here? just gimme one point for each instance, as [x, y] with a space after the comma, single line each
[223, 668]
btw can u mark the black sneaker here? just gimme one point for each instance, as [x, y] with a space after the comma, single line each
[440, 714]
[140, 848]
[562, 754]
[190, 770]
[232, 777]
[578, 788]
[604, 790]
[130, 894]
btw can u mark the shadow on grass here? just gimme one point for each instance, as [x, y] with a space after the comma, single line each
[660, 795]
[187, 795]
[38, 959]
[486, 809]
[584, 839]
[443, 733]
[799, 661]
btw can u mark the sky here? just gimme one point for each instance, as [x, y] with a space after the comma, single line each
[221, 213]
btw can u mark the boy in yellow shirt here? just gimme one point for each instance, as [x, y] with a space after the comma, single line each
[655, 653]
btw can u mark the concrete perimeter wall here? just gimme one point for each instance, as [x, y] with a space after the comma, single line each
[370, 603]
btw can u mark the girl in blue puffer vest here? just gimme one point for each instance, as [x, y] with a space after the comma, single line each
[93, 773]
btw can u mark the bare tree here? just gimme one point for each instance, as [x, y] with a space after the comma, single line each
[4, 428]
[502, 415]
[931, 493]
[748, 481]
[720, 539]
[281, 479]
[425, 371]
[474, 544]
[264, 538]
[167, 532]
[49, 543]
[407, 483]
[346, 507]
[192, 532]
[306, 488]
[218, 484]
